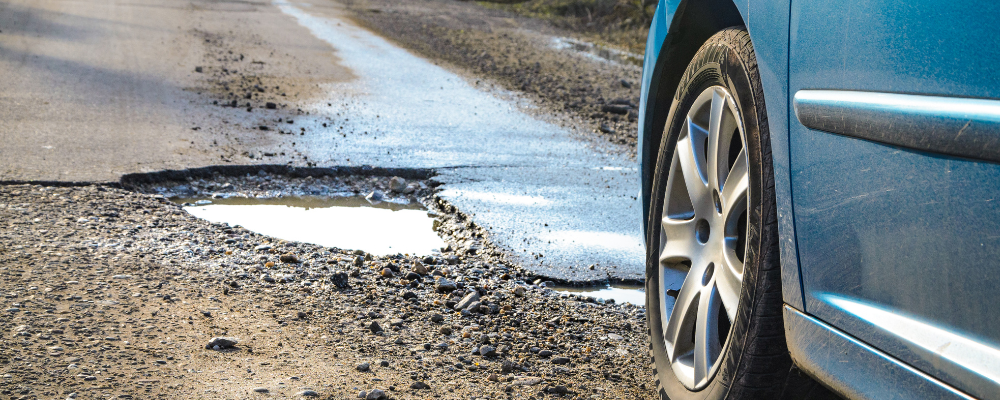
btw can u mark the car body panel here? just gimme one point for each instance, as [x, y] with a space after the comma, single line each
[908, 231]
[854, 369]
[869, 229]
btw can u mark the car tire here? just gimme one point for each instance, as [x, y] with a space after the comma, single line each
[751, 360]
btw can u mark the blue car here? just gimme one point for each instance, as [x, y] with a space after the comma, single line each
[821, 198]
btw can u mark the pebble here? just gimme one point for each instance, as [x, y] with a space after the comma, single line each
[560, 360]
[488, 351]
[261, 390]
[375, 394]
[262, 247]
[397, 184]
[363, 367]
[545, 353]
[289, 258]
[519, 291]
[467, 301]
[308, 393]
[446, 286]
[418, 385]
[218, 343]
[437, 318]
[375, 327]
[446, 330]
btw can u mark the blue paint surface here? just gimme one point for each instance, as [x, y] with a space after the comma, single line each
[914, 232]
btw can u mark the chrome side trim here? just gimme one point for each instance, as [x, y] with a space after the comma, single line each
[954, 126]
[854, 369]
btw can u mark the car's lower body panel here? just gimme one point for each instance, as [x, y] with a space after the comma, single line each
[853, 368]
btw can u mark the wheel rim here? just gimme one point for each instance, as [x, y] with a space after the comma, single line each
[703, 237]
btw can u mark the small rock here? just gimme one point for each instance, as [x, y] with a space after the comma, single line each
[386, 273]
[467, 301]
[420, 268]
[261, 390]
[488, 351]
[397, 184]
[446, 286]
[375, 327]
[363, 367]
[418, 385]
[359, 261]
[560, 360]
[445, 330]
[493, 378]
[302, 315]
[199, 69]
[626, 84]
[607, 129]
[519, 291]
[396, 322]
[308, 393]
[289, 258]
[508, 367]
[527, 381]
[262, 247]
[340, 280]
[375, 197]
[270, 106]
[409, 295]
[412, 276]
[545, 353]
[437, 318]
[221, 343]
[375, 394]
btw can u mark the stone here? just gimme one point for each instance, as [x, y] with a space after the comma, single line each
[221, 343]
[409, 295]
[487, 351]
[397, 184]
[560, 360]
[437, 318]
[396, 322]
[420, 268]
[445, 330]
[270, 106]
[289, 258]
[386, 273]
[262, 247]
[359, 261]
[375, 394]
[308, 393]
[363, 367]
[375, 327]
[340, 280]
[467, 301]
[445, 285]
[418, 385]
[412, 276]
[519, 291]
[261, 390]
[527, 381]
[375, 197]
[545, 353]
[508, 367]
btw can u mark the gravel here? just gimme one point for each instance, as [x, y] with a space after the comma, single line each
[63, 246]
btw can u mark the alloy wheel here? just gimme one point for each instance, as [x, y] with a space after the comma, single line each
[703, 237]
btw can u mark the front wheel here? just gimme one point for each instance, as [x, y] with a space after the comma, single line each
[713, 279]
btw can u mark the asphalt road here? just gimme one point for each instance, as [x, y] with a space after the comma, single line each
[93, 90]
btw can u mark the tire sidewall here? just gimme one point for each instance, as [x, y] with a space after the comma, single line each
[716, 63]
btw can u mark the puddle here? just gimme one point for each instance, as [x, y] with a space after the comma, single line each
[596, 51]
[344, 222]
[633, 294]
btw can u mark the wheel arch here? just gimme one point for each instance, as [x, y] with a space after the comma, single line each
[678, 30]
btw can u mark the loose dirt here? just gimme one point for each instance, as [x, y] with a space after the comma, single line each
[114, 294]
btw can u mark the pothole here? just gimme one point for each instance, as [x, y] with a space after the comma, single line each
[380, 228]
[596, 51]
[620, 293]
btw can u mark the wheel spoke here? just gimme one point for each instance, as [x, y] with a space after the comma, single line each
[680, 240]
[735, 187]
[682, 319]
[729, 282]
[706, 342]
[714, 137]
[692, 163]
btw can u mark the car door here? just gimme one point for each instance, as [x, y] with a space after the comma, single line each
[896, 206]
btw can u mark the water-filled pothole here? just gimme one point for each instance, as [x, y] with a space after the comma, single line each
[345, 222]
[633, 294]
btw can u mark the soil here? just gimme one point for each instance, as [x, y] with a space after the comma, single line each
[517, 52]
[112, 293]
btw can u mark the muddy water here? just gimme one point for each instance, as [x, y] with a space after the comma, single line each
[343, 222]
[633, 294]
